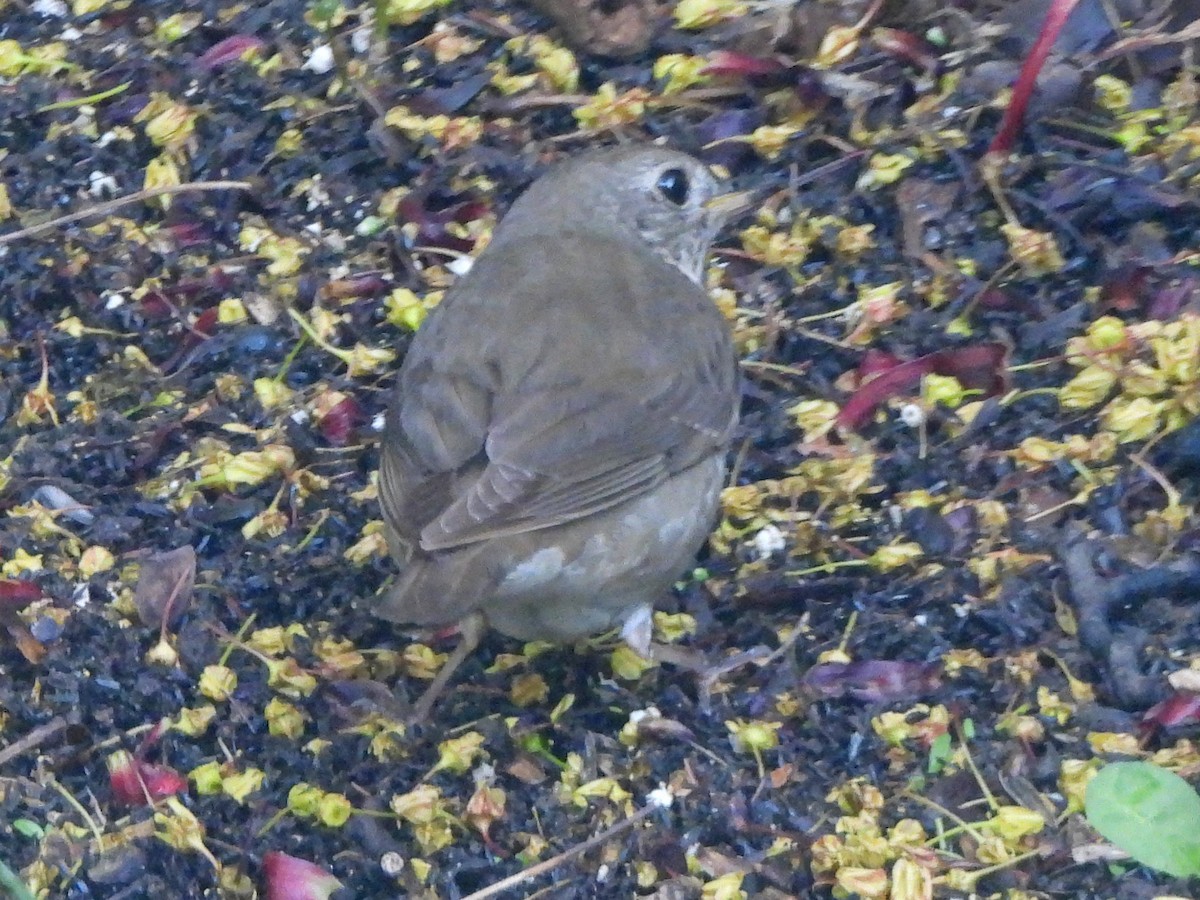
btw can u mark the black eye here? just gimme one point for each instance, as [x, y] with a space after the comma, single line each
[673, 184]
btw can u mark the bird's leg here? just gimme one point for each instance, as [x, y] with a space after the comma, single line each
[638, 631]
[471, 631]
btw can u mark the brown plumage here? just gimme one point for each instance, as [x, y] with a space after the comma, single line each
[555, 447]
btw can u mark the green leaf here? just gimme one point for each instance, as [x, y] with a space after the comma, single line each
[27, 828]
[1150, 813]
[12, 884]
[939, 753]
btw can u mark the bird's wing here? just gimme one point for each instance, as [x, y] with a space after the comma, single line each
[598, 422]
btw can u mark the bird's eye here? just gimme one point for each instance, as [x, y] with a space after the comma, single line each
[673, 184]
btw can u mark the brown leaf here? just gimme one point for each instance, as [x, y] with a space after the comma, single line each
[30, 647]
[605, 28]
[164, 588]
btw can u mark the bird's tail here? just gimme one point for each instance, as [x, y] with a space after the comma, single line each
[437, 589]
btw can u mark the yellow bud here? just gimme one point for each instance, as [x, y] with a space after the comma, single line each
[943, 389]
[693, 14]
[218, 682]
[868, 884]
[1015, 822]
[95, 560]
[1088, 388]
[528, 690]
[459, 754]
[334, 810]
[284, 719]
[241, 785]
[1034, 251]
[206, 778]
[1106, 333]
[304, 799]
[194, 722]
[1132, 419]
[910, 881]
[754, 736]
[628, 665]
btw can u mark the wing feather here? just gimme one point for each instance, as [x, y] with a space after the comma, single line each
[569, 430]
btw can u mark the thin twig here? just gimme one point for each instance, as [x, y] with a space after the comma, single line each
[38, 736]
[534, 871]
[103, 209]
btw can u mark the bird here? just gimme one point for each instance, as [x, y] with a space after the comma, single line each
[555, 447]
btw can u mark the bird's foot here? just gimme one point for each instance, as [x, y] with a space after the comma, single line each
[638, 631]
[471, 631]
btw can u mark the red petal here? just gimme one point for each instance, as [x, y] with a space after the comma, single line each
[875, 362]
[292, 878]
[431, 224]
[136, 783]
[153, 736]
[16, 595]
[727, 62]
[873, 680]
[1178, 709]
[368, 284]
[155, 305]
[228, 51]
[206, 322]
[337, 424]
[906, 46]
[884, 386]
[188, 234]
[979, 367]
[995, 298]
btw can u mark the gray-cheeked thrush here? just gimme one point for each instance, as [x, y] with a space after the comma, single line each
[555, 448]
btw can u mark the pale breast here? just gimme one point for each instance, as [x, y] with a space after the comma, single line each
[577, 580]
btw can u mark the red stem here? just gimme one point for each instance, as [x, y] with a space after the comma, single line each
[1056, 18]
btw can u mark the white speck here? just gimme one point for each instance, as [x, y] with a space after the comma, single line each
[538, 569]
[80, 597]
[661, 797]
[115, 300]
[379, 422]
[638, 627]
[105, 139]
[99, 184]
[56, 498]
[602, 873]
[912, 415]
[56, 8]
[640, 715]
[768, 542]
[70, 34]
[360, 40]
[483, 775]
[1185, 680]
[921, 619]
[318, 196]
[320, 60]
[460, 265]
[300, 416]
[392, 863]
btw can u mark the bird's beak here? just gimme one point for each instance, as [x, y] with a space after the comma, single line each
[724, 207]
